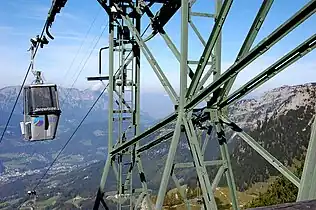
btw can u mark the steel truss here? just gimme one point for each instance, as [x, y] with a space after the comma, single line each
[218, 90]
[126, 17]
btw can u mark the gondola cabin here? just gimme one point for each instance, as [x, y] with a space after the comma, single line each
[41, 112]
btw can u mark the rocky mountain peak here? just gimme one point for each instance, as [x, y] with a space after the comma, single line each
[273, 103]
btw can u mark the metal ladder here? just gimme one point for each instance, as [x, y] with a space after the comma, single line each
[125, 117]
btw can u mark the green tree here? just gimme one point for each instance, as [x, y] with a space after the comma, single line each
[280, 191]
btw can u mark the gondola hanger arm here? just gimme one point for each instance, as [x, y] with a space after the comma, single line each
[55, 8]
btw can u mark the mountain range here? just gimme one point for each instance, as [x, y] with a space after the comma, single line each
[88, 144]
[279, 121]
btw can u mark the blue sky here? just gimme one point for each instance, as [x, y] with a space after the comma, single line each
[21, 20]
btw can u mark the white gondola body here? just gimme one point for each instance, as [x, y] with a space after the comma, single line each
[41, 112]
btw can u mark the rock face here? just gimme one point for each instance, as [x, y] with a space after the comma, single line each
[273, 104]
[280, 121]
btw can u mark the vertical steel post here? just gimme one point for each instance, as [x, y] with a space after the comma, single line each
[110, 115]
[183, 87]
[110, 104]
[137, 111]
[184, 54]
[119, 38]
[111, 83]
[219, 127]
[136, 51]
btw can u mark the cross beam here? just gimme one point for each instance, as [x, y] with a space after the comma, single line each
[262, 47]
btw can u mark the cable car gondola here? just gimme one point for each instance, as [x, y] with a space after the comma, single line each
[40, 104]
[41, 112]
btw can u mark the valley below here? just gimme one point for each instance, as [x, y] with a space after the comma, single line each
[279, 121]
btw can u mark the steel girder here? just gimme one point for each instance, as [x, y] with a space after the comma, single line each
[262, 47]
[218, 89]
[227, 78]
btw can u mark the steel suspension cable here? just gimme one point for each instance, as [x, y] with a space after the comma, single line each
[24, 80]
[95, 45]
[87, 59]
[67, 142]
[69, 139]
[83, 41]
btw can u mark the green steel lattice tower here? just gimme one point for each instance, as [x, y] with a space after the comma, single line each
[206, 82]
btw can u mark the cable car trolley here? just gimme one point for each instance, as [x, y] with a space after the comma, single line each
[41, 108]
